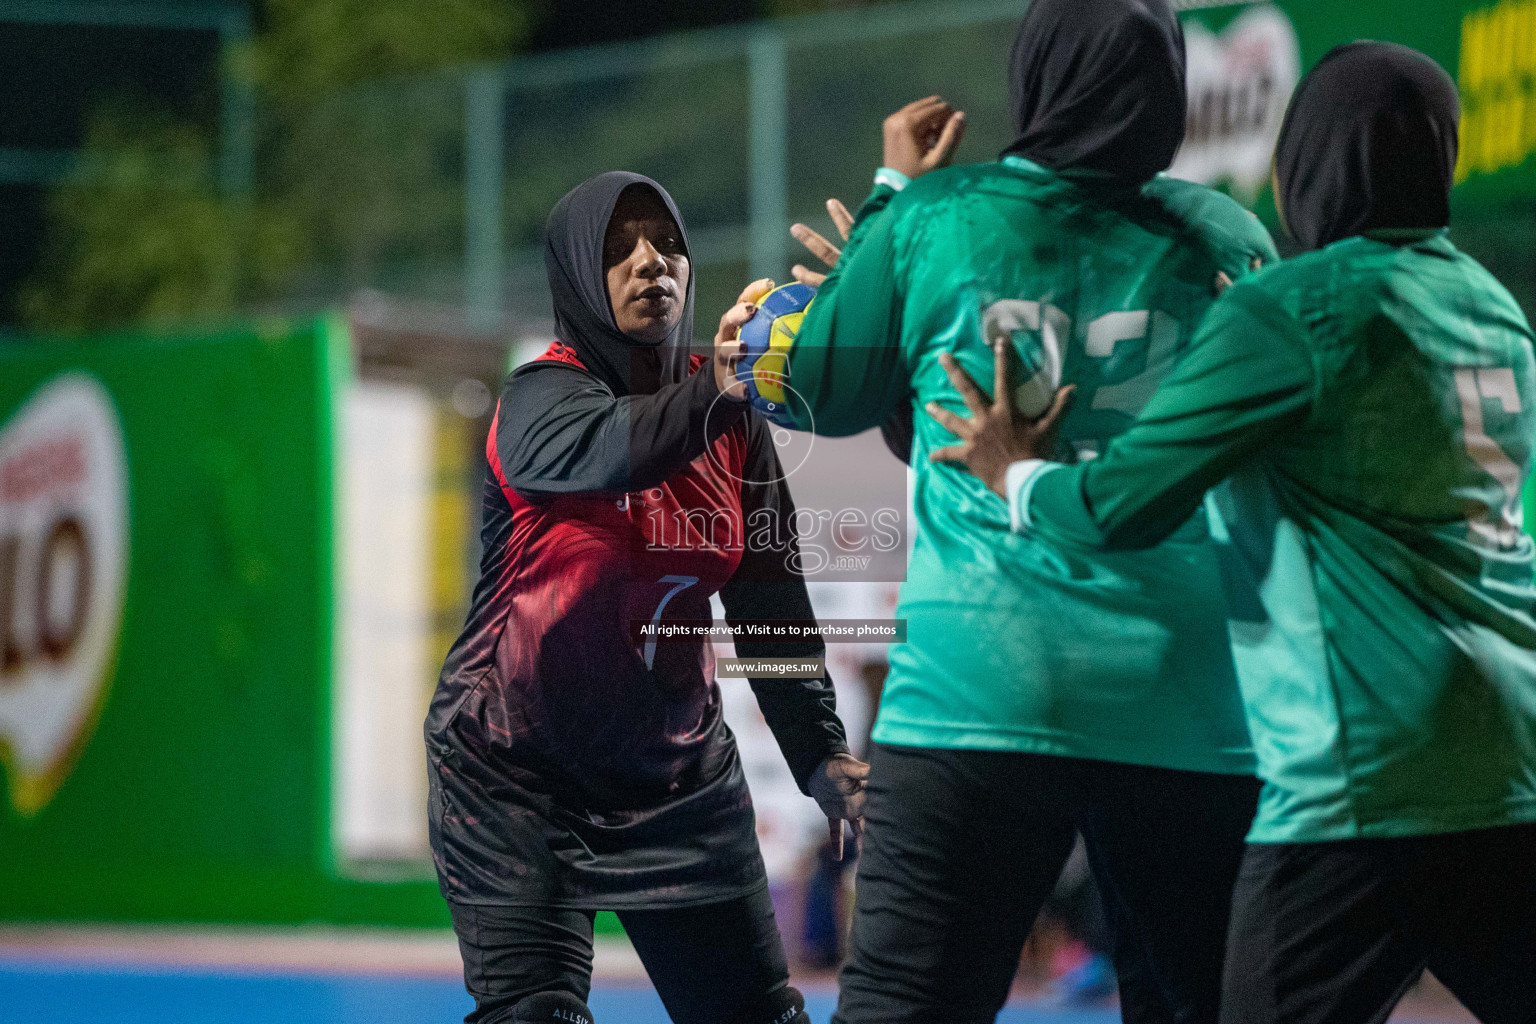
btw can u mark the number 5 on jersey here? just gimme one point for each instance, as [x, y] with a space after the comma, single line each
[1498, 527]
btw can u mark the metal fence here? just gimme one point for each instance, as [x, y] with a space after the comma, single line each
[435, 191]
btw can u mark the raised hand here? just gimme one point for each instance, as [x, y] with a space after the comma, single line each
[818, 244]
[995, 435]
[922, 136]
[728, 347]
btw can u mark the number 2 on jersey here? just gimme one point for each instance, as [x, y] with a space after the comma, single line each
[1153, 332]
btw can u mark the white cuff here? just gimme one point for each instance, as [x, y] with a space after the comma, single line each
[895, 179]
[1020, 482]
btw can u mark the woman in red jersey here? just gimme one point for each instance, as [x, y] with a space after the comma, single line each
[575, 765]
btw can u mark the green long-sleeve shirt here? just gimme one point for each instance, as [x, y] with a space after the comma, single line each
[1016, 642]
[1372, 404]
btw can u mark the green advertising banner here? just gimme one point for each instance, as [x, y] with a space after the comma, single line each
[166, 620]
[1245, 60]
[1496, 72]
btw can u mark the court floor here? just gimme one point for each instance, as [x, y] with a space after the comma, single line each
[37, 990]
[53, 992]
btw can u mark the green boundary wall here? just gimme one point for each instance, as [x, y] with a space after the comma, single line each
[1489, 48]
[204, 793]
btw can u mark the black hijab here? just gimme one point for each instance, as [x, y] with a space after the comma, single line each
[1369, 141]
[1098, 85]
[573, 257]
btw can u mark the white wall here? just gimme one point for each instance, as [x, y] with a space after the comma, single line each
[384, 528]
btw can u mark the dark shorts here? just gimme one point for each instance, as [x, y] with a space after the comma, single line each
[1334, 933]
[502, 833]
[963, 847]
[710, 964]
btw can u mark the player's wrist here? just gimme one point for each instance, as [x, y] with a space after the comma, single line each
[892, 178]
[728, 386]
[1019, 480]
[997, 480]
[723, 375]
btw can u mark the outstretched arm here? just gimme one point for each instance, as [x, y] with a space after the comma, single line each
[559, 430]
[846, 365]
[896, 431]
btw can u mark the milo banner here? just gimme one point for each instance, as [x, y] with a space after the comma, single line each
[166, 620]
[1245, 60]
[63, 570]
[1240, 79]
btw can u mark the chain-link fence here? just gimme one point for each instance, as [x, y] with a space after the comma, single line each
[434, 192]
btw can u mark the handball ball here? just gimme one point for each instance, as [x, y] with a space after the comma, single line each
[766, 340]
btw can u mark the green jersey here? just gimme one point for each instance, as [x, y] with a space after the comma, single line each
[1014, 642]
[1373, 403]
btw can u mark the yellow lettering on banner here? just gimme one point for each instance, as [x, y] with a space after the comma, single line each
[1523, 40]
[1530, 117]
[1509, 17]
[1514, 128]
[1496, 76]
[1493, 68]
[1496, 68]
[1505, 112]
[1493, 119]
[1474, 47]
[1488, 139]
[1495, 139]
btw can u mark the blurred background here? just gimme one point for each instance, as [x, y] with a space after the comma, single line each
[264, 265]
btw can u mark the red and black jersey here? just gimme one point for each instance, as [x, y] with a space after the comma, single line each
[575, 762]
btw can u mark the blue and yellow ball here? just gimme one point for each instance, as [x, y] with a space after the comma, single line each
[767, 338]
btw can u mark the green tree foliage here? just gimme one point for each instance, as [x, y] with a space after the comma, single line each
[316, 47]
[361, 148]
[138, 233]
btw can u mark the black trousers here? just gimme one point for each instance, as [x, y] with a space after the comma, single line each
[710, 964]
[963, 847]
[1334, 933]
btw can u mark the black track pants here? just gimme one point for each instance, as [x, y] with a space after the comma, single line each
[708, 963]
[1334, 933]
[962, 848]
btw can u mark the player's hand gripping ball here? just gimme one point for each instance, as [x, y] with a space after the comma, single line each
[766, 340]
